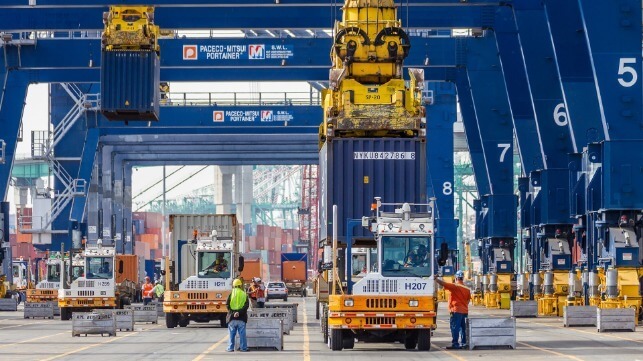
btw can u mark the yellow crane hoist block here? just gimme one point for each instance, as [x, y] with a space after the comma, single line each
[130, 28]
[367, 95]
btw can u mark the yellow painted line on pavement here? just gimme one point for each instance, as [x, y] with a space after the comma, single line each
[22, 324]
[90, 346]
[459, 358]
[550, 351]
[32, 339]
[210, 349]
[306, 337]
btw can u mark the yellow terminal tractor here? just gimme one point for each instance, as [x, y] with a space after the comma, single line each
[367, 95]
[395, 302]
[205, 260]
[109, 281]
[47, 289]
[22, 277]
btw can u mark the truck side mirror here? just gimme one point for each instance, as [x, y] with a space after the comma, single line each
[241, 262]
[120, 266]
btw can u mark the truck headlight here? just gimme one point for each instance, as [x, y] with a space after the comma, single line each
[414, 303]
[349, 302]
[176, 295]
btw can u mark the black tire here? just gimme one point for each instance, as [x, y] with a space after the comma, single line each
[410, 342]
[325, 327]
[285, 298]
[424, 340]
[303, 293]
[65, 314]
[184, 322]
[316, 310]
[349, 340]
[336, 340]
[171, 320]
[224, 322]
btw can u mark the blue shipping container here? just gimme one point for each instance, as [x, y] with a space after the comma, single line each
[139, 226]
[130, 85]
[355, 170]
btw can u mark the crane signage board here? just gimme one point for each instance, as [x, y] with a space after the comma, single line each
[258, 116]
[222, 52]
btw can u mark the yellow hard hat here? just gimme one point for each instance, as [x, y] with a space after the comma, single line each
[237, 283]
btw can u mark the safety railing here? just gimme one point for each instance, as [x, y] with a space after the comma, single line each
[312, 98]
[67, 34]
[82, 103]
[39, 144]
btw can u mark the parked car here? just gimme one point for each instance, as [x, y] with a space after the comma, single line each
[276, 290]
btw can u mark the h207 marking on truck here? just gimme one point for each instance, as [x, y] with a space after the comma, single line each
[415, 286]
[384, 155]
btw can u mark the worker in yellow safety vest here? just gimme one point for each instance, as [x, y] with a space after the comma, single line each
[237, 303]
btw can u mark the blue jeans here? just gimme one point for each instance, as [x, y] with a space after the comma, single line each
[146, 301]
[458, 328]
[235, 326]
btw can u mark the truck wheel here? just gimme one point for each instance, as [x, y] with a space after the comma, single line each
[424, 340]
[324, 325]
[316, 310]
[303, 293]
[171, 320]
[410, 342]
[184, 322]
[65, 314]
[349, 340]
[224, 322]
[336, 340]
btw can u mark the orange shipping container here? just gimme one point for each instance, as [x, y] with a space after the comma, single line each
[151, 239]
[129, 268]
[24, 237]
[252, 268]
[294, 270]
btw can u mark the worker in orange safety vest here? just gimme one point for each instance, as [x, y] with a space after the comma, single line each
[147, 290]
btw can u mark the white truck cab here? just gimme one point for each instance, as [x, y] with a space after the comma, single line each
[95, 286]
[203, 268]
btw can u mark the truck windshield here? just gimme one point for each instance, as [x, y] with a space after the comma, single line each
[405, 256]
[100, 268]
[214, 264]
[53, 273]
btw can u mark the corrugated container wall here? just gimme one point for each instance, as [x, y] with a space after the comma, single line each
[130, 85]
[294, 266]
[355, 170]
[130, 268]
